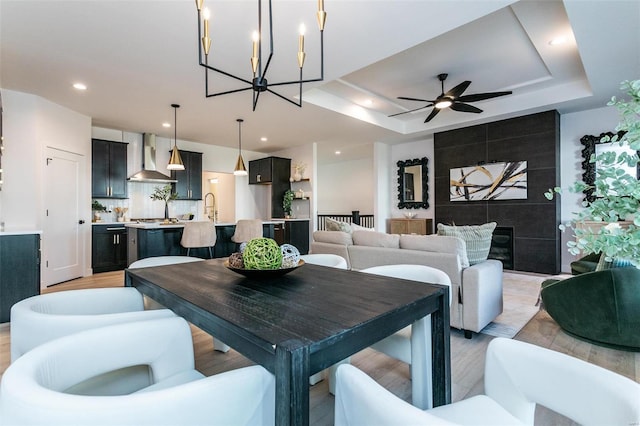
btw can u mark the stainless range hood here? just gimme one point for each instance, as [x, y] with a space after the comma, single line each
[149, 172]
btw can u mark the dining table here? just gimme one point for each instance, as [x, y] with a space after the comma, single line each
[302, 322]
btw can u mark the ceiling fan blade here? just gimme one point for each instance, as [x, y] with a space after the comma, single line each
[482, 96]
[415, 99]
[407, 112]
[457, 91]
[459, 106]
[434, 112]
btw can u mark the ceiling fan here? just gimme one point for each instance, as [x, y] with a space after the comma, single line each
[452, 99]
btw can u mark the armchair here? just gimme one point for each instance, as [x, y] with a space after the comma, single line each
[38, 387]
[518, 376]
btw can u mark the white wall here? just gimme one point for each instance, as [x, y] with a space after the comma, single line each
[346, 186]
[31, 124]
[572, 128]
[410, 151]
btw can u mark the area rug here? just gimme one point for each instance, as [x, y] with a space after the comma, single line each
[520, 294]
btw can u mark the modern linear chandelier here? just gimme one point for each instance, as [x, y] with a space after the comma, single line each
[259, 81]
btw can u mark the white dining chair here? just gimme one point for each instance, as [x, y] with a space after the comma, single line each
[332, 261]
[39, 319]
[325, 259]
[45, 385]
[398, 345]
[147, 262]
[517, 376]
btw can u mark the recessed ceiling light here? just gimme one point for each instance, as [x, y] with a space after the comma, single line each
[264, 139]
[368, 102]
[338, 152]
[165, 124]
[558, 40]
[79, 86]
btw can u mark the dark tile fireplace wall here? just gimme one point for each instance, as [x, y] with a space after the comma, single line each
[533, 138]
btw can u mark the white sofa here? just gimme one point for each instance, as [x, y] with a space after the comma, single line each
[476, 289]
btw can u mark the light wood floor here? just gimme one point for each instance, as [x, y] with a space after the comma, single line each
[467, 358]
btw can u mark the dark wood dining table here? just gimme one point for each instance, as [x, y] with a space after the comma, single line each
[307, 320]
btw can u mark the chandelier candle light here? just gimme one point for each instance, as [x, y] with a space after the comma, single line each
[259, 81]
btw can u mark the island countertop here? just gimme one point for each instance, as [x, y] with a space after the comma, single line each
[162, 225]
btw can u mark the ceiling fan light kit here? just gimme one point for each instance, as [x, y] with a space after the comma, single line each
[453, 99]
[258, 82]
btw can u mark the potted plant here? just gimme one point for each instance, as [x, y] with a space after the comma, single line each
[97, 207]
[163, 193]
[286, 202]
[617, 193]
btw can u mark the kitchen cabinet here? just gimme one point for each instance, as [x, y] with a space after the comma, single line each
[19, 270]
[108, 169]
[189, 185]
[296, 233]
[275, 171]
[160, 242]
[411, 226]
[108, 248]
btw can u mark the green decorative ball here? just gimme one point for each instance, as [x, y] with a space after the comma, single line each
[262, 253]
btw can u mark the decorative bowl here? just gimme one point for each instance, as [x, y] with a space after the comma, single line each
[262, 273]
[410, 215]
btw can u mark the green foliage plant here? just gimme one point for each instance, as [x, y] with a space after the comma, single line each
[163, 193]
[617, 194]
[97, 206]
[286, 201]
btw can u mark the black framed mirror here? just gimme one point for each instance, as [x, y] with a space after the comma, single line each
[592, 145]
[413, 187]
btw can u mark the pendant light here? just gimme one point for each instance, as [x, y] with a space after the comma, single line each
[175, 163]
[240, 169]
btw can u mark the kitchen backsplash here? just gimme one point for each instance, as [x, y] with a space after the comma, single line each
[140, 205]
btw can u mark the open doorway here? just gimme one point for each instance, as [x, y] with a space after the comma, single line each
[219, 199]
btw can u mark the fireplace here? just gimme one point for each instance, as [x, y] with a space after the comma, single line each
[502, 246]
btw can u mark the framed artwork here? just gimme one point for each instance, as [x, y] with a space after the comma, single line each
[494, 181]
[413, 187]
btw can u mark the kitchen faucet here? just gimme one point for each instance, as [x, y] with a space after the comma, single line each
[210, 210]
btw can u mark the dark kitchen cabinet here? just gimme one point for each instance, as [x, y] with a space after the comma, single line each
[296, 233]
[19, 270]
[275, 171]
[108, 248]
[160, 242]
[108, 169]
[189, 185]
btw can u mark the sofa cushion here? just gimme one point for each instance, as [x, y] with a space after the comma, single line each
[336, 225]
[355, 227]
[476, 237]
[438, 244]
[333, 237]
[375, 239]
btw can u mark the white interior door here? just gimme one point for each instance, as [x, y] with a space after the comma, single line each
[61, 237]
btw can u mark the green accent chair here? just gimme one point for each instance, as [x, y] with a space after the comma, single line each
[587, 263]
[601, 307]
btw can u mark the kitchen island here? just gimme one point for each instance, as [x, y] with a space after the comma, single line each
[163, 239]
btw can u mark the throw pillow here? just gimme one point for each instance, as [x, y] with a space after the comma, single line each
[476, 237]
[332, 237]
[335, 225]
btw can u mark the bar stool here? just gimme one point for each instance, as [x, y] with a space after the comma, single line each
[199, 234]
[246, 230]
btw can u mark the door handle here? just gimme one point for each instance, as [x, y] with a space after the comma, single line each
[80, 222]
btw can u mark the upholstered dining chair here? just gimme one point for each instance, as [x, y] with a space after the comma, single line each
[149, 303]
[199, 234]
[517, 376]
[398, 345]
[42, 386]
[332, 260]
[246, 230]
[39, 319]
